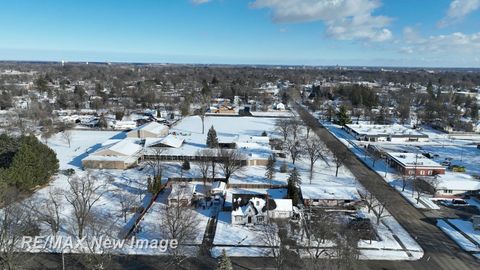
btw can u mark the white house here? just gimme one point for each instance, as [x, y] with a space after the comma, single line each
[182, 193]
[280, 106]
[283, 208]
[253, 212]
[454, 184]
[332, 196]
[257, 209]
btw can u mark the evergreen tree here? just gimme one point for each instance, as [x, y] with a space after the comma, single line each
[33, 164]
[186, 165]
[292, 187]
[430, 89]
[270, 168]
[212, 140]
[224, 263]
[474, 111]
[342, 116]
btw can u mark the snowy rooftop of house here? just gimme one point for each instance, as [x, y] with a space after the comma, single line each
[385, 130]
[458, 181]
[257, 203]
[182, 191]
[125, 147]
[322, 192]
[283, 205]
[170, 140]
[152, 127]
[413, 159]
[219, 185]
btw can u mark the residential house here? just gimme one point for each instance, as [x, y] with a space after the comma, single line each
[121, 154]
[149, 130]
[329, 196]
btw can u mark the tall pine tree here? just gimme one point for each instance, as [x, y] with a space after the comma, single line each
[292, 188]
[224, 263]
[270, 168]
[212, 140]
[342, 117]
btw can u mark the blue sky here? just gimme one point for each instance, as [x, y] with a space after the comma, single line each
[311, 32]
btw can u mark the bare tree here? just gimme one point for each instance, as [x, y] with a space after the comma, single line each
[47, 133]
[52, 207]
[315, 149]
[405, 179]
[321, 228]
[154, 161]
[270, 237]
[295, 148]
[339, 157]
[434, 183]
[231, 160]
[67, 137]
[346, 249]
[370, 200]
[203, 163]
[127, 202]
[83, 193]
[380, 211]
[295, 128]
[98, 256]
[180, 223]
[283, 126]
[16, 221]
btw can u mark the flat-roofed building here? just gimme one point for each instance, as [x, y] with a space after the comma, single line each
[408, 163]
[385, 133]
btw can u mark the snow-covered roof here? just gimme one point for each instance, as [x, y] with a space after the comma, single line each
[385, 130]
[322, 192]
[219, 185]
[170, 140]
[125, 147]
[255, 203]
[283, 205]
[458, 181]
[182, 191]
[413, 160]
[152, 127]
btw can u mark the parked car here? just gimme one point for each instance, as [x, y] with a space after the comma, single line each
[457, 168]
[459, 202]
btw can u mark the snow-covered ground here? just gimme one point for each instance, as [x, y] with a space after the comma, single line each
[461, 240]
[228, 237]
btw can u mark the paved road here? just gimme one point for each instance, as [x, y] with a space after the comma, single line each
[440, 251]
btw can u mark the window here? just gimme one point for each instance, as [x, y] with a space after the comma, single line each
[430, 172]
[422, 172]
[258, 203]
[238, 218]
[260, 219]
